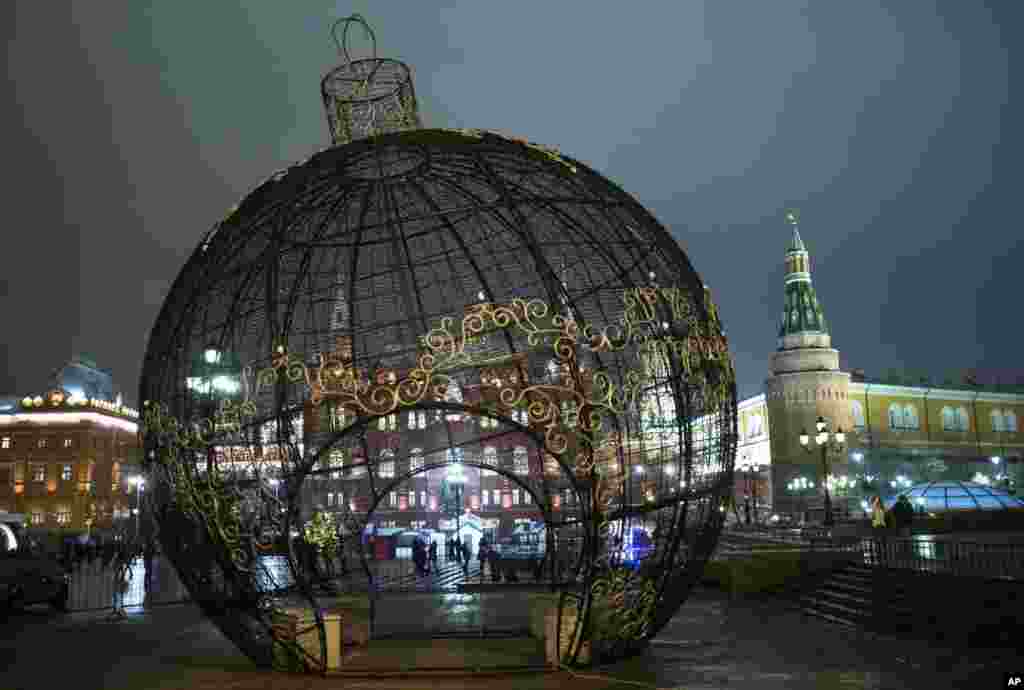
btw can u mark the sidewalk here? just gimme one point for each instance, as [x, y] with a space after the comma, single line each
[710, 643]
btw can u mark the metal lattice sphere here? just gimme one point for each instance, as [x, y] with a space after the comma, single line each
[421, 301]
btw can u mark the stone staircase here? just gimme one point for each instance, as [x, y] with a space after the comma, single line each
[850, 597]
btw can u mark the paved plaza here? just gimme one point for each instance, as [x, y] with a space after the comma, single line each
[711, 643]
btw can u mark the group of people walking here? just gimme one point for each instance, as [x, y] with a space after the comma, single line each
[899, 517]
[425, 557]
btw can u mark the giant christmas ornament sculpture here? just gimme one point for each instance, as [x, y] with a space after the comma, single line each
[465, 273]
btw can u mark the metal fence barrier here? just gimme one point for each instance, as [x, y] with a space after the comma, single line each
[952, 557]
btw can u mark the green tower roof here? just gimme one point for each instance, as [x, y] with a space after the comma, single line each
[802, 312]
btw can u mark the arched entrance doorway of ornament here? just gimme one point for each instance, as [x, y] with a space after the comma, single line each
[412, 488]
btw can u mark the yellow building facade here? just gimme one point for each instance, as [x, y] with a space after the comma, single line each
[894, 435]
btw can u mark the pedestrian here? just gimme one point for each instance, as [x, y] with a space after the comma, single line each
[746, 509]
[148, 554]
[494, 556]
[433, 554]
[419, 555]
[878, 525]
[466, 553]
[482, 555]
[342, 561]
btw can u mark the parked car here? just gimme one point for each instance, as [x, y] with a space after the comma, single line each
[27, 574]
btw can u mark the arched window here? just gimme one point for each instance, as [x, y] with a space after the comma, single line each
[755, 426]
[895, 416]
[388, 423]
[520, 460]
[490, 458]
[910, 420]
[955, 419]
[857, 409]
[386, 464]
[963, 419]
[415, 459]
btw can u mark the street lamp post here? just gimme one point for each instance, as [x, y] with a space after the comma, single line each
[454, 481]
[799, 486]
[826, 441]
[140, 485]
[751, 470]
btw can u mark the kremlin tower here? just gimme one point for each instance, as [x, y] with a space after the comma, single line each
[805, 381]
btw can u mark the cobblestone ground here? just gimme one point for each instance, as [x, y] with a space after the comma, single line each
[711, 643]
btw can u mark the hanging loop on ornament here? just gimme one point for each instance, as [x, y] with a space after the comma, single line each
[343, 42]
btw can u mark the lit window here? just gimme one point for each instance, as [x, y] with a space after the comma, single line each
[488, 423]
[497, 497]
[67, 443]
[520, 460]
[415, 459]
[336, 460]
[895, 416]
[483, 498]
[392, 499]
[955, 419]
[339, 419]
[330, 500]
[37, 517]
[857, 409]
[412, 499]
[65, 473]
[490, 458]
[41, 443]
[386, 467]
[910, 420]
[63, 516]
[423, 499]
[756, 425]
[453, 395]
[1004, 420]
[522, 417]
[5, 442]
[388, 423]
[515, 497]
[39, 473]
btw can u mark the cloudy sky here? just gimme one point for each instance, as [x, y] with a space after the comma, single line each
[129, 128]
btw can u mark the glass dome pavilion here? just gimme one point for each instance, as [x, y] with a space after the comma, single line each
[956, 495]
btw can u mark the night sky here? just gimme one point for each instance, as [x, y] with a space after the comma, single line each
[895, 128]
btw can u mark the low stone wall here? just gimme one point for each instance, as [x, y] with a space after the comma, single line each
[543, 626]
[773, 571]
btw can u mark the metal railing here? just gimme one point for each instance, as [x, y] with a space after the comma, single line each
[952, 557]
[97, 585]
